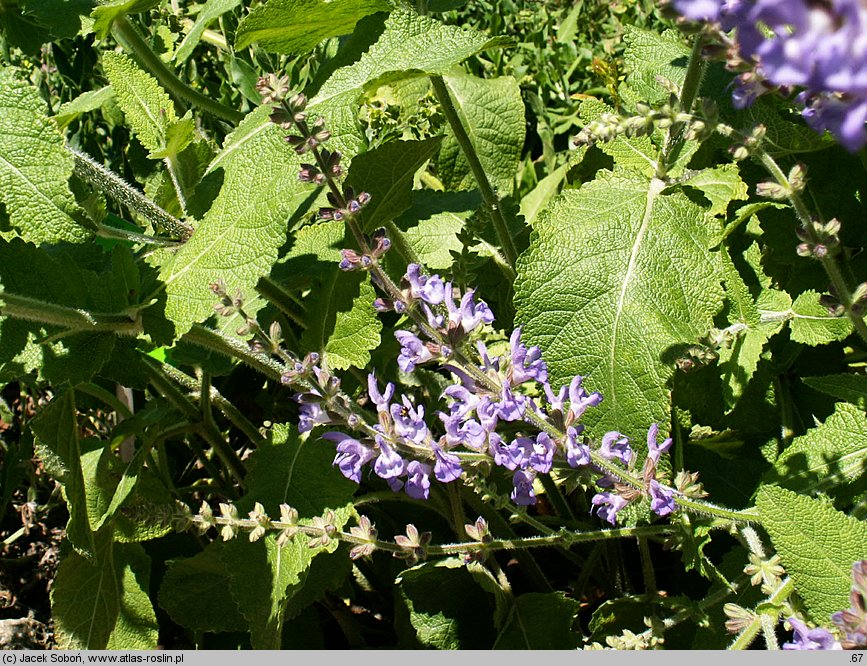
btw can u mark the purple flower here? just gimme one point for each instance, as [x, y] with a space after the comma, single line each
[542, 454]
[810, 639]
[418, 480]
[470, 433]
[463, 401]
[409, 420]
[447, 467]
[310, 415]
[381, 400]
[577, 454]
[511, 406]
[654, 451]
[512, 456]
[523, 494]
[607, 506]
[580, 400]
[388, 464]
[699, 10]
[661, 499]
[469, 314]
[488, 412]
[852, 622]
[614, 445]
[412, 351]
[351, 456]
[430, 289]
[526, 363]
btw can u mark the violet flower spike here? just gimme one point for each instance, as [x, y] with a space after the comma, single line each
[542, 457]
[661, 499]
[654, 451]
[523, 494]
[351, 456]
[429, 288]
[577, 454]
[409, 420]
[381, 400]
[412, 351]
[526, 363]
[607, 506]
[447, 467]
[615, 446]
[418, 480]
[389, 464]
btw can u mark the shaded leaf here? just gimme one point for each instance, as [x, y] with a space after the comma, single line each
[540, 621]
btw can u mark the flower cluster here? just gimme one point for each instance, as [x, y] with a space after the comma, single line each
[501, 409]
[818, 47]
[852, 622]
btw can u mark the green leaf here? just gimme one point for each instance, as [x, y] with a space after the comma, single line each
[447, 608]
[62, 18]
[636, 154]
[90, 100]
[535, 201]
[56, 429]
[851, 388]
[239, 237]
[85, 598]
[492, 113]
[721, 185]
[300, 474]
[387, 174]
[35, 168]
[209, 13]
[136, 627]
[817, 544]
[431, 226]
[540, 621]
[147, 107]
[812, 325]
[648, 55]
[356, 332]
[195, 593]
[828, 456]
[411, 45]
[618, 273]
[297, 26]
[110, 11]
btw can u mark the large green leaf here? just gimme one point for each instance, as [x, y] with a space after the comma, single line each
[827, 456]
[492, 112]
[540, 621]
[813, 325]
[618, 275]
[56, 430]
[817, 544]
[238, 238]
[298, 473]
[35, 168]
[356, 331]
[410, 45]
[103, 603]
[387, 174]
[297, 26]
[447, 608]
[61, 18]
[431, 226]
[649, 55]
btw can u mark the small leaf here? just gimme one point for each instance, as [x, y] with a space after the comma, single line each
[356, 332]
[827, 457]
[648, 55]
[540, 621]
[851, 388]
[210, 12]
[90, 100]
[817, 544]
[195, 593]
[297, 26]
[108, 12]
[147, 107]
[447, 608]
[387, 174]
[812, 325]
[431, 226]
[35, 168]
[56, 429]
[721, 185]
[492, 113]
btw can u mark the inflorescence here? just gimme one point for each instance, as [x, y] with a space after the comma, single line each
[818, 48]
[500, 410]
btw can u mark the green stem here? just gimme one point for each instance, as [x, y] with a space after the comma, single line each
[107, 397]
[749, 633]
[75, 319]
[105, 231]
[127, 35]
[691, 83]
[399, 243]
[234, 348]
[472, 157]
[118, 189]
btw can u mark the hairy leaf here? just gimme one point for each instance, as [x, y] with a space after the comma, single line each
[617, 275]
[828, 456]
[356, 332]
[812, 325]
[387, 174]
[35, 168]
[108, 12]
[297, 26]
[136, 626]
[817, 544]
[86, 101]
[851, 388]
[540, 621]
[492, 113]
[297, 473]
[431, 226]
[238, 238]
[721, 185]
[649, 55]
